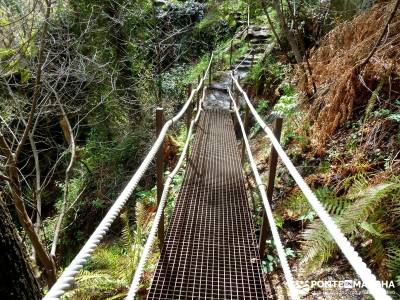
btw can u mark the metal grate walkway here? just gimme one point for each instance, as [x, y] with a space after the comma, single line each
[210, 250]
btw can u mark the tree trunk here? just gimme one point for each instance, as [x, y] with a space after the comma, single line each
[271, 24]
[288, 33]
[293, 44]
[16, 192]
[16, 278]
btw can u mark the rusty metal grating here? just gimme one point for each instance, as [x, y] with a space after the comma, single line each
[210, 250]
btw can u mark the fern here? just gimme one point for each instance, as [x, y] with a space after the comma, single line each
[333, 204]
[110, 270]
[297, 205]
[365, 216]
[318, 247]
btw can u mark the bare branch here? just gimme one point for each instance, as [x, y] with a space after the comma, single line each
[36, 92]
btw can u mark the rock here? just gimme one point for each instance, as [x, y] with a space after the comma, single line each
[159, 3]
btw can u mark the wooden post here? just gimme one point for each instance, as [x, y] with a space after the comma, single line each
[230, 55]
[232, 84]
[209, 73]
[236, 99]
[273, 162]
[238, 91]
[160, 172]
[189, 110]
[199, 94]
[246, 129]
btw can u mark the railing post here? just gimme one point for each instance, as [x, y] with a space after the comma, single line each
[273, 162]
[160, 172]
[236, 99]
[232, 83]
[189, 110]
[209, 72]
[246, 128]
[198, 93]
[230, 55]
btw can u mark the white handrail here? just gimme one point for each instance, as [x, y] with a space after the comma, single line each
[153, 231]
[369, 279]
[294, 293]
[66, 280]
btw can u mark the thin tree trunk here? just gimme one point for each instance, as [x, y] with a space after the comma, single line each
[23, 217]
[38, 81]
[12, 169]
[271, 24]
[66, 182]
[38, 194]
[293, 44]
[289, 35]
[16, 277]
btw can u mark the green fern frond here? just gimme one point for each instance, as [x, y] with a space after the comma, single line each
[360, 217]
[356, 183]
[318, 247]
[393, 260]
[126, 233]
[97, 285]
[335, 205]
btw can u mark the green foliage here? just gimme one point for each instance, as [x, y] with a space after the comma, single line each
[297, 207]
[271, 260]
[197, 70]
[367, 214]
[6, 53]
[110, 270]
[262, 105]
[295, 127]
[287, 104]
[268, 68]
[173, 83]
[229, 9]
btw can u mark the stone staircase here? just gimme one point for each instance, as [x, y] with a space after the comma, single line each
[258, 38]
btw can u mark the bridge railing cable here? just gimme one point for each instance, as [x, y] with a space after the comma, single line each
[369, 279]
[267, 207]
[153, 231]
[66, 280]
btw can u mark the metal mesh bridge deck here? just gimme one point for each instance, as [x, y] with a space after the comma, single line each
[210, 250]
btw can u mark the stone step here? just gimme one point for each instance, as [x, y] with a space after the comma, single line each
[257, 27]
[159, 3]
[249, 56]
[245, 61]
[257, 41]
[243, 68]
[218, 87]
[258, 50]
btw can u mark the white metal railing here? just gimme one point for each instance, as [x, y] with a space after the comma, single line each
[369, 279]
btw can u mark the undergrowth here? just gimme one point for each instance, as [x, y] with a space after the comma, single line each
[109, 272]
[370, 221]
